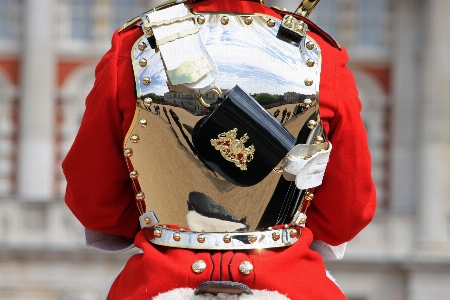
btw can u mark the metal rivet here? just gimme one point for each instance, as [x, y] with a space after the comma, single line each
[276, 236]
[252, 238]
[148, 102]
[246, 267]
[182, 229]
[309, 82]
[227, 238]
[134, 138]
[176, 236]
[142, 46]
[201, 20]
[143, 122]
[307, 102]
[201, 238]
[225, 20]
[310, 45]
[269, 228]
[319, 139]
[128, 152]
[299, 26]
[140, 196]
[286, 226]
[271, 23]
[146, 81]
[248, 20]
[293, 233]
[157, 233]
[310, 63]
[198, 266]
[312, 124]
[143, 62]
[309, 196]
[134, 174]
[149, 30]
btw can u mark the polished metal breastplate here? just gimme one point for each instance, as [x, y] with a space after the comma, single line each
[282, 77]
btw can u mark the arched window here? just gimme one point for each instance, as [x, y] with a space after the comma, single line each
[81, 19]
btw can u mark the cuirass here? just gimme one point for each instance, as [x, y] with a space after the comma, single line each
[283, 77]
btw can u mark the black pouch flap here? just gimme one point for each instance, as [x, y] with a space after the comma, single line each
[240, 140]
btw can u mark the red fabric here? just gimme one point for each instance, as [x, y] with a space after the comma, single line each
[161, 269]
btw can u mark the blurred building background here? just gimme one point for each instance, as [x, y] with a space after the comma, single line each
[399, 54]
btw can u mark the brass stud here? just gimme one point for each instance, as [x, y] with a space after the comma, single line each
[252, 238]
[307, 102]
[201, 20]
[198, 266]
[309, 82]
[310, 63]
[140, 196]
[248, 20]
[148, 30]
[134, 138]
[182, 229]
[143, 62]
[299, 26]
[128, 152]
[157, 233]
[147, 220]
[142, 46]
[246, 267]
[269, 228]
[271, 23]
[227, 238]
[310, 45]
[312, 124]
[134, 174]
[293, 233]
[148, 102]
[146, 81]
[143, 122]
[319, 139]
[176, 236]
[225, 20]
[286, 226]
[201, 238]
[309, 196]
[276, 236]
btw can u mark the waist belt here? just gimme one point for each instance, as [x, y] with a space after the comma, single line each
[174, 236]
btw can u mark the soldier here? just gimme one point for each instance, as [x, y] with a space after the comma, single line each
[218, 203]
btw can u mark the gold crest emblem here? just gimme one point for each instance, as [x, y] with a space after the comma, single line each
[233, 149]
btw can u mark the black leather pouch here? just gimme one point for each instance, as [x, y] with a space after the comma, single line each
[240, 140]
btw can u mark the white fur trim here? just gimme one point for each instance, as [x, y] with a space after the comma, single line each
[197, 222]
[186, 293]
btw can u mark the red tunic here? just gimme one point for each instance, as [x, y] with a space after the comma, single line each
[100, 194]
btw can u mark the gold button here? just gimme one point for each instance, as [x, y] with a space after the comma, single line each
[227, 238]
[312, 124]
[157, 233]
[142, 46]
[148, 102]
[246, 267]
[201, 20]
[293, 233]
[225, 20]
[177, 236]
[310, 45]
[134, 174]
[201, 238]
[134, 138]
[143, 122]
[276, 236]
[198, 266]
[271, 23]
[248, 20]
[309, 82]
[252, 238]
[146, 81]
[310, 63]
[143, 62]
[128, 152]
[140, 196]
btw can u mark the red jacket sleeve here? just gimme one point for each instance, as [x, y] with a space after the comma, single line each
[99, 190]
[345, 202]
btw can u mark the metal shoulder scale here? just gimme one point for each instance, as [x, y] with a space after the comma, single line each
[249, 81]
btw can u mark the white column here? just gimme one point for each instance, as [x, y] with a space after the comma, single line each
[406, 105]
[36, 154]
[435, 142]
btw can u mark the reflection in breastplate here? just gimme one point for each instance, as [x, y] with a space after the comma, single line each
[165, 165]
